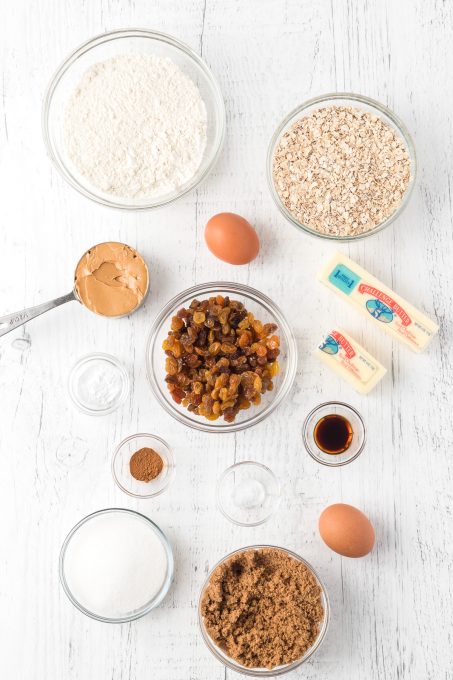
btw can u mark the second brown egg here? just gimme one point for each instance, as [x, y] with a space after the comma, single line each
[346, 530]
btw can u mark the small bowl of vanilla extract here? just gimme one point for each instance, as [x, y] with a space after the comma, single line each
[334, 433]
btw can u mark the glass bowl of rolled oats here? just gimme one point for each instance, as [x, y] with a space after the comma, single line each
[341, 167]
[221, 357]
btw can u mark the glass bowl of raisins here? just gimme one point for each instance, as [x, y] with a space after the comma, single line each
[221, 357]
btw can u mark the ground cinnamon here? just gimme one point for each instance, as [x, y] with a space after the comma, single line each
[146, 464]
[263, 608]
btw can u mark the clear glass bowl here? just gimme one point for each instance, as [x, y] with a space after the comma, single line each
[148, 606]
[248, 493]
[103, 47]
[356, 101]
[264, 672]
[357, 444]
[121, 470]
[81, 369]
[266, 311]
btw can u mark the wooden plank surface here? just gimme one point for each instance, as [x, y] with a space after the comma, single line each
[391, 612]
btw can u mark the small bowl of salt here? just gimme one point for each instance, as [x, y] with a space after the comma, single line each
[248, 493]
[98, 384]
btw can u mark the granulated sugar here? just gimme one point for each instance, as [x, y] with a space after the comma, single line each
[341, 171]
[136, 126]
[115, 564]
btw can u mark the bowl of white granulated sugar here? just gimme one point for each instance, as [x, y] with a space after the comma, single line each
[116, 565]
[134, 119]
[341, 167]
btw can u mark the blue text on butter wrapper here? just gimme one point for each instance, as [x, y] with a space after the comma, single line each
[344, 279]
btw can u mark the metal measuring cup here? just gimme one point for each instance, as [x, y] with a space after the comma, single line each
[10, 322]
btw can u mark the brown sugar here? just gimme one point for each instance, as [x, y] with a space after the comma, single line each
[145, 464]
[263, 608]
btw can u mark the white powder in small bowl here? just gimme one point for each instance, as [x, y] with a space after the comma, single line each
[98, 384]
[249, 493]
[115, 564]
[136, 126]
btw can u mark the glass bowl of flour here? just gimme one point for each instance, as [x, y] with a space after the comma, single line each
[134, 119]
[116, 565]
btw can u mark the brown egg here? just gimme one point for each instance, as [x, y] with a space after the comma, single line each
[346, 530]
[231, 238]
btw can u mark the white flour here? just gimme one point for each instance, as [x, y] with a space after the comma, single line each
[136, 126]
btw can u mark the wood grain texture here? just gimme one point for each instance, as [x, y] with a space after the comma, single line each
[391, 612]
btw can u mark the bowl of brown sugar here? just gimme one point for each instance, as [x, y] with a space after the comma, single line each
[143, 465]
[341, 166]
[263, 611]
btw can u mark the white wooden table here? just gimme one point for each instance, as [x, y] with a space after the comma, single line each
[391, 612]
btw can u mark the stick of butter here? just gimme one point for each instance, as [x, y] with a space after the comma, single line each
[371, 297]
[350, 361]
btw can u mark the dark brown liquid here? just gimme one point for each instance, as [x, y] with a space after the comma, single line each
[333, 434]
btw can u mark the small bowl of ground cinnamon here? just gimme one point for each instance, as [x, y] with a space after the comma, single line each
[263, 611]
[143, 465]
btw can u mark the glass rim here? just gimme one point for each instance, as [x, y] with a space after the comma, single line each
[380, 109]
[268, 471]
[152, 604]
[233, 665]
[290, 364]
[116, 34]
[319, 460]
[170, 465]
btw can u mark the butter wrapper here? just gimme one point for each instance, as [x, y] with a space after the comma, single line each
[350, 361]
[378, 303]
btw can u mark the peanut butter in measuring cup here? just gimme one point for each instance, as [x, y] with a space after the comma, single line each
[111, 279]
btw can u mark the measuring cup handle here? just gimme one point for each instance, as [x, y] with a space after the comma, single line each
[11, 321]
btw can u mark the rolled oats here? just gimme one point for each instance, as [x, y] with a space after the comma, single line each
[341, 171]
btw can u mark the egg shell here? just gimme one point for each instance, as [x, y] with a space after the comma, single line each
[346, 530]
[231, 238]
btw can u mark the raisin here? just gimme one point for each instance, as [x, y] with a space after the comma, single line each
[273, 342]
[178, 395]
[171, 365]
[214, 348]
[228, 348]
[191, 360]
[257, 327]
[229, 415]
[245, 339]
[199, 317]
[219, 358]
[272, 354]
[269, 328]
